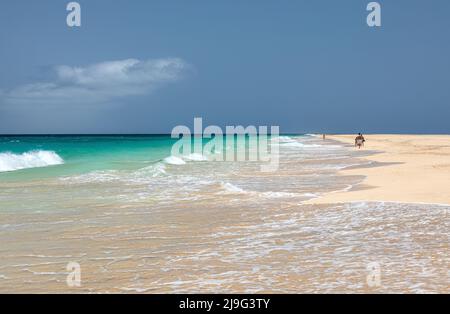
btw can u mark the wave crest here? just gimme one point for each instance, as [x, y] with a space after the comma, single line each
[181, 160]
[173, 160]
[32, 159]
[300, 145]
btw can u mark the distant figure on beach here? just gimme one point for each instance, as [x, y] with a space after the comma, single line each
[359, 140]
[323, 136]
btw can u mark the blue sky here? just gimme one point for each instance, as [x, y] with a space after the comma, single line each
[147, 66]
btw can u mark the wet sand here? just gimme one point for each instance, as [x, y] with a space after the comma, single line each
[221, 228]
[406, 168]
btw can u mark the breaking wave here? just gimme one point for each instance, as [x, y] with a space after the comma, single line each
[32, 159]
[173, 160]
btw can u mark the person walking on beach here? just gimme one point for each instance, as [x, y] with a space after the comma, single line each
[359, 140]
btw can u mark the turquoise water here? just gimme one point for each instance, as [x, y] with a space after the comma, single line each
[137, 219]
[81, 154]
[40, 157]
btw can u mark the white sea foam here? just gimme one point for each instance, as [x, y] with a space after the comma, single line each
[300, 145]
[137, 290]
[93, 177]
[196, 157]
[139, 176]
[233, 189]
[271, 194]
[32, 159]
[153, 170]
[230, 188]
[285, 139]
[173, 160]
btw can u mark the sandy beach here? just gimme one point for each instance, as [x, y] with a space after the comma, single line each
[202, 226]
[404, 168]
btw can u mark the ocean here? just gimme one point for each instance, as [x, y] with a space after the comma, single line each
[137, 219]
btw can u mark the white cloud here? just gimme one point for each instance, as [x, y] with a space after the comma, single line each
[101, 82]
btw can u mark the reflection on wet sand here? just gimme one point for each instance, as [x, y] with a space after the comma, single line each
[209, 227]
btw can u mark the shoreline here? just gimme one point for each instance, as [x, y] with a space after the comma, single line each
[406, 169]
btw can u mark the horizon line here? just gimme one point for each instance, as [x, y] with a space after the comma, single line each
[169, 134]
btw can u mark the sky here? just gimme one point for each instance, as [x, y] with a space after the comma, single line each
[148, 66]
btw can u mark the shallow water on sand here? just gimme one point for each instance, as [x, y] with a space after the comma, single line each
[208, 226]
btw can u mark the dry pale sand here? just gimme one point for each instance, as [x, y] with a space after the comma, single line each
[417, 170]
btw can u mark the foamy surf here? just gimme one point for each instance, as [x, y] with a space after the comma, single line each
[32, 159]
[231, 188]
[196, 157]
[119, 201]
[285, 139]
[173, 160]
[300, 145]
